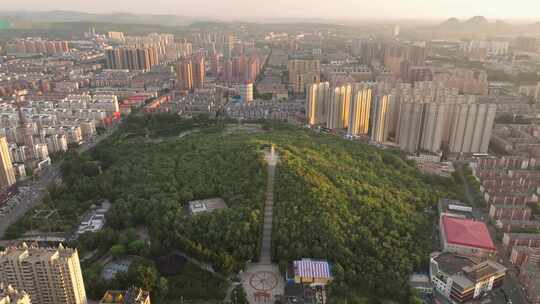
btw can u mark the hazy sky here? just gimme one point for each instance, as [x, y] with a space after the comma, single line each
[374, 9]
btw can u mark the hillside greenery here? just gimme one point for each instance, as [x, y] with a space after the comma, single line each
[367, 211]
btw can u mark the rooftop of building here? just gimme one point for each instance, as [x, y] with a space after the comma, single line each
[498, 206]
[466, 271]
[33, 252]
[309, 268]
[451, 263]
[207, 205]
[520, 222]
[133, 295]
[535, 236]
[467, 233]
[483, 270]
[299, 294]
[526, 249]
[454, 205]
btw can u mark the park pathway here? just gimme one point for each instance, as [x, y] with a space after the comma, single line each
[262, 280]
[266, 244]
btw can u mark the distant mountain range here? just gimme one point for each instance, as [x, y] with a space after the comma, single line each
[480, 24]
[40, 19]
[73, 16]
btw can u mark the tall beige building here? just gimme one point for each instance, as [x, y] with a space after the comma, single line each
[421, 126]
[302, 73]
[48, 275]
[472, 124]
[339, 108]
[318, 98]
[131, 58]
[360, 110]
[7, 174]
[410, 126]
[433, 124]
[199, 72]
[246, 92]
[381, 125]
[184, 70]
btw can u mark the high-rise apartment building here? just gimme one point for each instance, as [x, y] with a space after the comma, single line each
[421, 126]
[246, 92]
[184, 70]
[228, 46]
[302, 73]
[410, 126]
[472, 124]
[526, 44]
[48, 275]
[467, 81]
[382, 124]
[360, 110]
[416, 54]
[191, 73]
[7, 173]
[215, 65]
[199, 72]
[339, 108]
[227, 73]
[370, 51]
[116, 36]
[33, 46]
[252, 69]
[131, 58]
[433, 124]
[318, 99]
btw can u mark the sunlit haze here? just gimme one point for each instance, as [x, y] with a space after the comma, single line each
[337, 9]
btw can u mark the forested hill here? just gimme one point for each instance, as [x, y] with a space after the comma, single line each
[367, 211]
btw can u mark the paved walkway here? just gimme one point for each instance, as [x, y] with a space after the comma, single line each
[262, 281]
[265, 256]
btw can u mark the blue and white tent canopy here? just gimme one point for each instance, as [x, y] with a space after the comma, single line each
[308, 269]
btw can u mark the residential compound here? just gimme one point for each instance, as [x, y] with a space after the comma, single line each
[48, 275]
[38, 45]
[33, 129]
[191, 73]
[144, 52]
[427, 117]
[510, 186]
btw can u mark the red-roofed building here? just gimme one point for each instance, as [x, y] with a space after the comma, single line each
[466, 237]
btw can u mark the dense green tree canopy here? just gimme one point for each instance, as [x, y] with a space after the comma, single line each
[367, 211]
